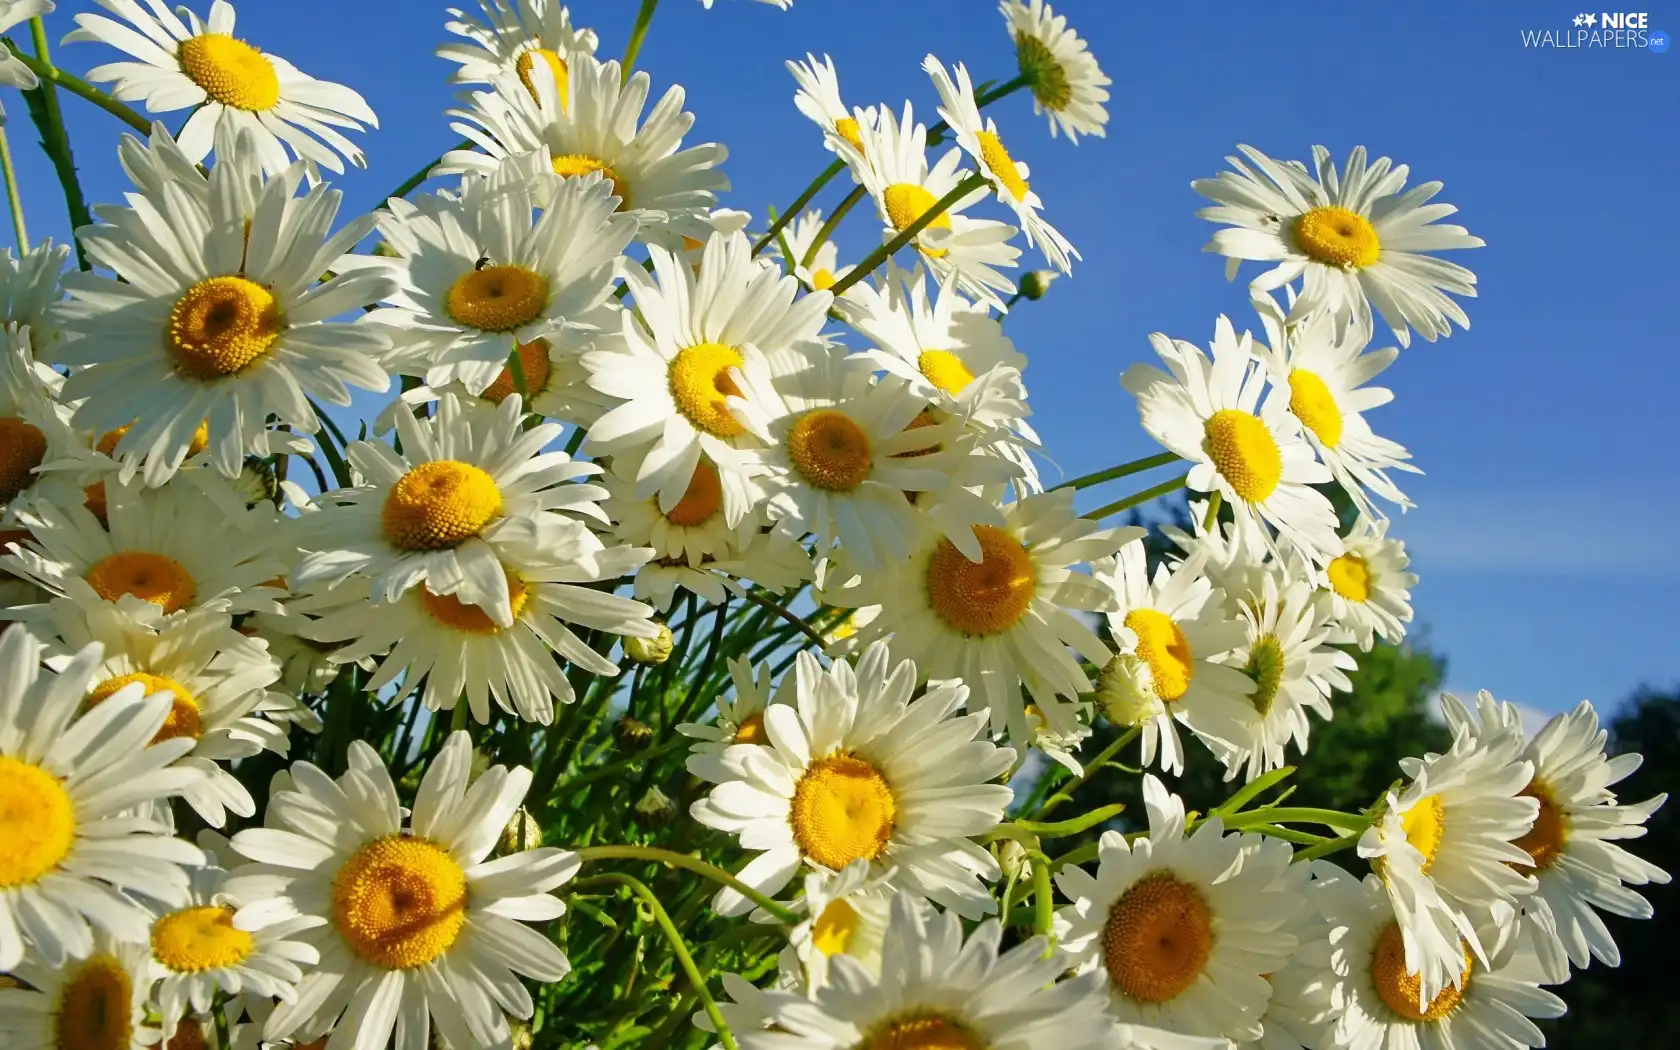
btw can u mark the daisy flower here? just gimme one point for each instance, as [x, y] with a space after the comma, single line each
[70, 844]
[1250, 452]
[514, 36]
[598, 128]
[95, 999]
[892, 165]
[412, 919]
[199, 62]
[676, 377]
[1170, 629]
[12, 72]
[1231, 554]
[30, 283]
[773, 562]
[824, 268]
[818, 98]
[1007, 619]
[854, 769]
[1184, 927]
[692, 533]
[740, 720]
[470, 482]
[1067, 84]
[1571, 848]
[34, 428]
[1367, 588]
[1008, 176]
[1353, 238]
[478, 276]
[1060, 732]
[846, 914]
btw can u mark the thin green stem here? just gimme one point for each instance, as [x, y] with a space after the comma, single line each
[1253, 789]
[653, 854]
[12, 195]
[1298, 815]
[1300, 838]
[1153, 492]
[1324, 849]
[780, 223]
[407, 185]
[1044, 906]
[765, 603]
[52, 75]
[1033, 829]
[908, 234]
[1212, 517]
[827, 229]
[638, 33]
[1136, 466]
[1091, 770]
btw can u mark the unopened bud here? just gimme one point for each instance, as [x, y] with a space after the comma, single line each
[1034, 283]
[257, 482]
[650, 651]
[632, 734]
[522, 833]
[655, 809]
[1126, 691]
[1012, 858]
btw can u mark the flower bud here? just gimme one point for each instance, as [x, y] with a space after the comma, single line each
[650, 651]
[655, 809]
[1034, 283]
[1126, 692]
[632, 734]
[522, 833]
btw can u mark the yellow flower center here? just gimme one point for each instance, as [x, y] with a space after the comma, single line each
[1337, 237]
[154, 578]
[822, 280]
[526, 63]
[701, 500]
[830, 450]
[108, 442]
[1265, 667]
[1401, 991]
[944, 370]
[1313, 405]
[1244, 452]
[533, 361]
[924, 1033]
[1544, 843]
[22, 448]
[439, 505]
[750, 731]
[924, 418]
[984, 598]
[230, 71]
[184, 718]
[193, 940]
[96, 1007]
[498, 298]
[452, 612]
[222, 326]
[843, 810]
[573, 164]
[906, 202]
[847, 128]
[1424, 825]
[832, 933]
[1001, 164]
[37, 822]
[399, 902]
[1161, 645]
[700, 382]
[1350, 577]
[1157, 939]
[1044, 74]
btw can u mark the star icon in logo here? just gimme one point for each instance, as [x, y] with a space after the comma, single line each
[1592, 20]
[1580, 20]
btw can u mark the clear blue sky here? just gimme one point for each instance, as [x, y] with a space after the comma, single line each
[1544, 529]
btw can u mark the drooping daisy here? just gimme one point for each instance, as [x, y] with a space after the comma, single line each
[30, 282]
[1354, 238]
[855, 770]
[667, 189]
[824, 268]
[1249, 451]
[514, 36]
[1063, 75]
[740, 719]
[414, 926]
[12, 72]
[34, 428]
[892, 165]
[92, 1000]
[1060, 731]
[676, 375]
[771, 562]
[199, 62]
[1367, 587]
[69, 843]
[846, 914]
[1005, 620]
[1008, 176]
[1184, 927]
[819, 99]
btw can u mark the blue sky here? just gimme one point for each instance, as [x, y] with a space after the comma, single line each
[1543, 533]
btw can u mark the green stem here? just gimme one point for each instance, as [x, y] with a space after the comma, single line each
[1091, 770]
[798, 205]
[1136, 466]
[829, 224]
[908, 234]
[1212, 517]
[655, 855]
[1251, 790]
[1018, 829]
[1297, 815]
[765, 603]
[12, 195]
[1324, 849]
[1145, 496]
[407, 185]
[644, 18]
[1044, 906]
[52, 75]
[1300, 838]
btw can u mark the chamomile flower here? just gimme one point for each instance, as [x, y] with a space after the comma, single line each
[772, 562]
[740, 719]
[1184, 927]
[1353, 238]
[692, 532]
[1250, 452]
[1060, 732]
[598, 128]
[1004, 620]
[1008, 176]
[34, 428]
[12, 72]
[676, 376]
[818, 98]
[1367, 588]
[93, 1000]
[514, 36]
[1231, 554]
[30, 283]
[70, 778]
[413, 925]
[824, 268]
[1066, 83]
[854, 769]
[846, 914]
[892, 166]
[181, 60]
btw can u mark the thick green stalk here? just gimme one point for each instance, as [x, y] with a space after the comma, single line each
[1091, 769]
[830, 224]
[1136, 466]
[908, 234]
[1154, 492]
[1324, 849]
[654, 855]
[1353, 822]
[780, 223]
[1044, 905]
[13, 197]
[757, 599]
[638, 33]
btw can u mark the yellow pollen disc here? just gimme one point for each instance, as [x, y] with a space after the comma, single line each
[1162, 645]
[924, 418]
[1157, 938]
[230, 71]
[701, 500]
[906, 202]
[750, 731]
[924, 1033]
[944, 370]
[830, 450]
[1312, 404]
[842, 811]
[1265, 667]
[1001, 164]
[985, 598]
[95, 1009]
[498, 298]
[222, 326]
[189, 1035]
[1244, 452]
[1350, 577]
[700, 382]
[439, 505]
[37, 822]
[1044, 74]
[847, 128]
[1544, 843]
[823, 280]
[1424, 825]
[571, 164]
[1337, 237]
[154, 578]
[22, 448]
[533, 361]
[193, 940]
[527, 62]
[184, 718]
[832, 933]
[399, 902]
[1401, 991]
[452, 612]
[107, 445]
